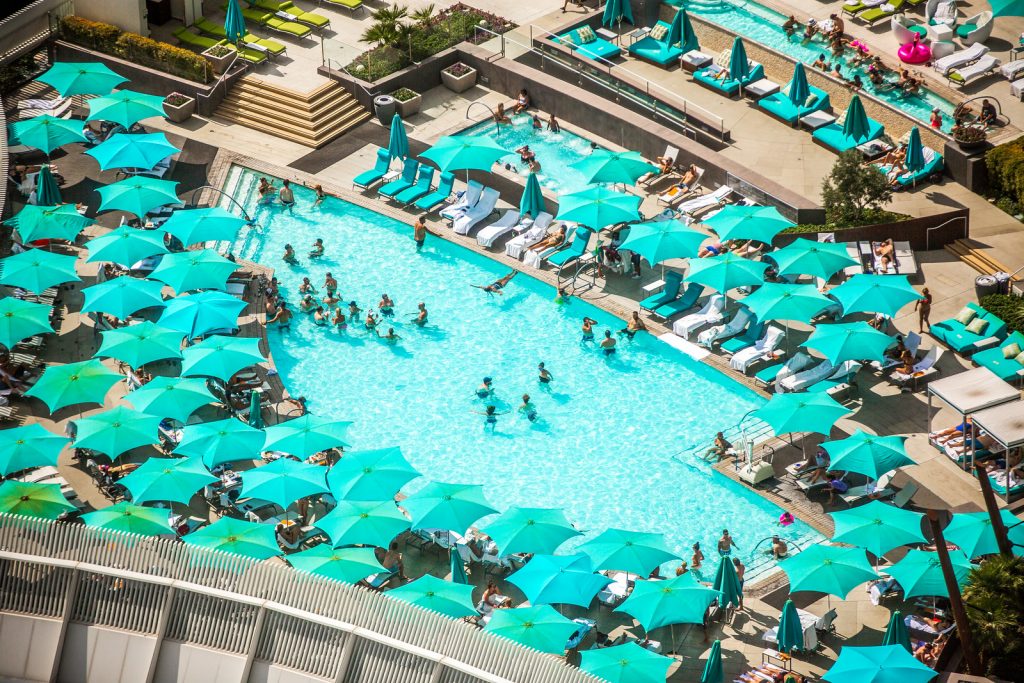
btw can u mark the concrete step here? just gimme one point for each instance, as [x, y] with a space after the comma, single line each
[977, 255]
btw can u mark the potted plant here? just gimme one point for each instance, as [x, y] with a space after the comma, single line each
[408, 101]
[178, 107]
[221, 56]
[970, 137]
[459, 77]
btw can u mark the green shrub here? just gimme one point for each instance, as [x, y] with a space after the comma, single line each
[91, 34]
[404, 94]
[1005, 165]
[1007, 307]
[20, 71]
[872, 217]
[853, 193]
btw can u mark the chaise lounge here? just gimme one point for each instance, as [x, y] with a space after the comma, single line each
[584, 40]
[444, 190]
[833, 136]
[780, 106]
[726, 85]
[655, 48]
[1006, 360]
[972, 329]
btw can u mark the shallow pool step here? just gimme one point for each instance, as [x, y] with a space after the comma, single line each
[692, 350]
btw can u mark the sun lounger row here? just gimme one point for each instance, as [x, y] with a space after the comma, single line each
[964, 66]
[274, 22]
[670, 302]
[1005, 360]
[413, 186]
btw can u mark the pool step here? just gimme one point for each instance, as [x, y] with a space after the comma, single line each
[978, 256]
[312, 119]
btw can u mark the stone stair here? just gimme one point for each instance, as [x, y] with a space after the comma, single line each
[979, 257]
[312, 119]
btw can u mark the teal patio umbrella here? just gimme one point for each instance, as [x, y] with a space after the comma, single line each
[877, 527]
[284, 481]
[1006, 8]
[255, 411]
[138, 195]
[37, 270]
[81, 78]
[530, 530]
[539, 627]
[727, 583]
[867, 454]
[972, 532]
[126, 246]
[33, 500]
[840, 342]
[85, 381]
[660, 241]
[46, 133]
[117, 431]
[712, 672]
[234, 22]
[125, 107]
[257, 541]
[559, 579]
[41, 221]
[532, 201]
[130, 518]
[209, 224]
[914, 160]
[856, 124]
[881, 664]
[47, 192]
[871, 293]
[801, 412]
[454, 600]
[759, 223]
[681, 32]
[830, 569]
[21, 319]
[799, 88]
[739, 65]
[221, 357]
[896, 632]
[616, 11]
[398, 141]
[465, 152]
[809, 257]
[189, 270]
[458, 567]
[370, 475]
[791, 631]
[629, 551]
[604, 166]
[135, 150]
[363, 522]
[219, 442]
[628, 663]
[304, 436]
[173, 397]
[678, 600]
[784, 301]
[123, 296]
[920, 573]
[199, 314]
[349, 565]
[726, 271]
[598, 207]
[29, 446]
[451, 507]
[173, 480]
[139, 344]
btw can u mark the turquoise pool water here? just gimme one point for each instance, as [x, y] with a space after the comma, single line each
[604, 446]
[555, 151]
[763, 25]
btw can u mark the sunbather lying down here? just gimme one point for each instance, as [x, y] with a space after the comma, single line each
[498, 285]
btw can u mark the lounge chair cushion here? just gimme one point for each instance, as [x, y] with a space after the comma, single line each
[965, 316]
[599, 47]
[1011, 350]
[659, 32]
[977, 326]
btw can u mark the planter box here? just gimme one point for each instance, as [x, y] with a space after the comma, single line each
[461, 83]
[220, 62]
[180, 113]
[409, 107]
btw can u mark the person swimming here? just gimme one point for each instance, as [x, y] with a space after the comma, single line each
[498, 285]
[371, 321]
[563, 296]
[543, 376]
[353, 310]
[307, 305]
[319, 317]
[420, 318]
[391, 337]
[306, 287]
[386, 306]
[486, 388]
[490, 414]
[289, 255]
[318, 248]
[588, 329]
[339, 319]
[608, 343]
[527, 409]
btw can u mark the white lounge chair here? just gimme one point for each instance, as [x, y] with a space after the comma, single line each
[1011, 71]
[872, 488]
[59, 108]
[719, 332]
[960, 58]
[912, 342]
[800, 361]
[483, 208]
[964, 75]
[536, 258]
[922, 369]
[709, 315]
[942, 12]
[804, 378]
[536, 232]
[763, 349]
[676, 194]
[983, 23]
[706, 201]
[670, 153]
[468, 199]
[616, 591]
[505, 223]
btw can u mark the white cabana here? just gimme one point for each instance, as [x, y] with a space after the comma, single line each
[1005, 424]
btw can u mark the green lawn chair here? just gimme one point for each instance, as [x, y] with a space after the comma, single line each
[196, 42]
[269, 21]
[317, 21]
[876, 14]
[215, 30]
[350, 5]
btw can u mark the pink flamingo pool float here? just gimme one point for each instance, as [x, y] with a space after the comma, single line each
[915, 52]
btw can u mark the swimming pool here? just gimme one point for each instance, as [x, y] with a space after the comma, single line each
[763, 25]
[555, 151]
[604, 447]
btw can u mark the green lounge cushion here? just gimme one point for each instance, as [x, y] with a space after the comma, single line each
[1011, 350]
[919, 30]
[964, 29]
[965, 315]
[977, 326]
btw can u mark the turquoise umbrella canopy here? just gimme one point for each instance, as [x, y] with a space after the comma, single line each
[871, 293]
[628, 663]
[914, 160]
[840, 342]
[877, 527]
[210, 224]
[920, 573]
[37, 270]
[530, 530]
[827, 569]
[219, 442]
[881, 664]
[799, 89]
[679, 600]
[138, 195]
[126, 246]
[868, 454]
[199, 314]
[139, 344]
[47, 192]
[660, 241]
[255, 411]
[130, 519]
[39, 221]
[896, 632]
[532, 201]
[628, 551]
[173, 397]
[116, 431]
[464, 152]
[559, 579]
[125, 107]
[190, 270]
[727, 583]
[802, 412]
[429, 592]
[248, 539]
[82, 382]
[972, 532]
[221, 357]
[398, 141]
[234, 22]
[29, 446]
[1007, 8]
[598, 207]
[458, 568]
[784, 301]
[362, 522]
[123, 296]
[283, 481]
[681, 32]
[46, 133]
[136, 150]
[370, 475]
[759, 223]
[616, 11]
[808, 257]
[349, 565]
[726, 271]
[173, 480]
[712, 672]
[451, 507]
[81, 78]
[791, 631]
[304, 436]
[539, 627]
[604, 166]
[856, 124]
[739, 65]
[21, 319]
[33, 500]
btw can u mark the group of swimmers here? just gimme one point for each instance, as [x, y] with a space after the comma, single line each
[317, 251]
[527, 408]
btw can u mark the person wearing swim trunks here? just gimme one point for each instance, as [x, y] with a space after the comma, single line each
[421, 317]
[353, 310]
[318, 248]
[419, 232]
[634, 325]
[306, 287]
[608, 343]
[283, 317]
[528, 410]
[498, 285]
[371, 321]
[319, 317]
[543, 376]
[339, 319]
[285, 195]
[490, 414]
[289, 255]
[386, 306]
[588, 329]
[486, 388]
[330, 284]
[726, 544]
[390, 337]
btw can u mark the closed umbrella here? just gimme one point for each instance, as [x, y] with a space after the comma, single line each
[840, 342]
[457, 566]
[349, 565]
[130, 518]
[173, 397]
[47, 192]
[727, 583]
[914, 160]
[615, 11]
[81, 78]
[758, 223]
[362, 522]
[791, 631]
[116, 431]
[896, 632]
[465, 152]
[628, 663]
[808, 257]
[255, 411]
[398, 141]
[138, 195]
[221, 357]
[126, 246]
[135, 150]
[189, 270]
[681, 32]
[139, 344]
[210, 224]
[972, 532]
[21, 319]
[726, 271]
[454, 600]
[173, 480]
[256, 541]
[604, 166]
[370, 475]
[827, 569]
[558, 579]
[712, 672]
[739, 66]
[199, 314]
[784, 301]
[799, 89]
[678, 600]
[867, 454]
[539, 627]
[598, 207]
[82, 382]
[46, 133]
[530, 530]
[452, 507]
[41, 221]
[872, 293]
[29, 446]
[882, 664]
[877, 527]
[629, 551]
[856, 124]
[304, 436]
[33, 500]
[125, 107]
[37, 270]
[660, 241]
[220, 442]
[123, 296]
[920, 573]
[234, 22]
[815, 412]
[532, 201]
[283, 481]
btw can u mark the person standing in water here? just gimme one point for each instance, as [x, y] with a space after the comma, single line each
[419, 231]
[486, 388]
[527, 409]
[588, 329]
[490, 414]
[420, 318]
[608, 343]
[286, 196]
[543, 375]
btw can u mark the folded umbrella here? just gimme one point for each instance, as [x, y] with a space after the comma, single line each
[47, 192]
[896, 632]
[398, 141]
[712, 672]
[791, 631]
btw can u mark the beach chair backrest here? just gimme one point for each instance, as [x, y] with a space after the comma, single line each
[409, 170]
[543, 220]
[445, 184]
[929, 360]
[773, 337]
[673, 281]
[488, 200]
[580, 241]
[383, 160]
[426, 176]
[473, 191]
[672, 153]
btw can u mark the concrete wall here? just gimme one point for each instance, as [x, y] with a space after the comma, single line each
[93, 654]
[129, 15]
[926, 233]
[28, 646]
[181, 663]
[262, 672]
[23, 25]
